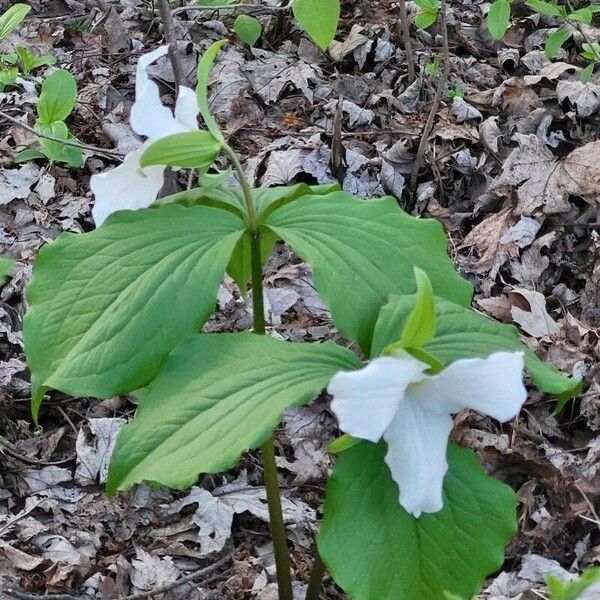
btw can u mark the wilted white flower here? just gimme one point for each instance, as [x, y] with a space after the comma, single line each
[393, 398]
[128, 186]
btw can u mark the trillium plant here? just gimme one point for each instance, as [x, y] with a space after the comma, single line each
[408, 515]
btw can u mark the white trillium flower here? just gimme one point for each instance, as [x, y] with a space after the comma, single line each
[394, 399]
[128, 186]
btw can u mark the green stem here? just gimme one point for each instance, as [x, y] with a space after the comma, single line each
[316, 578]
[248, 199]
[280, 548]
[282, 559]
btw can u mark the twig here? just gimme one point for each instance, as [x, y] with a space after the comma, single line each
[19, 516]
[436, 103]
[246, 8]
[110, 153]
[167, 20]
[141, 596]
[405, 29]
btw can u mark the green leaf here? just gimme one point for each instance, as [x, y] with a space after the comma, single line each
[498, 18]
[344, 442]
[587, 73]
[8, 77]
[216, 396]
[106, 307]
[192, 149]
[27, 155]
[546, 8]
[376, 551]
[572, 590]
[582, 15]
[426, 18]
[362, 251]
[318, 18]
[12, 18]
[555, 41]
[56, 151]
[204, 67]
[463, 333]
[57, 99]
[419, 326]
[248, 29]
[29, 61]
[6, 266]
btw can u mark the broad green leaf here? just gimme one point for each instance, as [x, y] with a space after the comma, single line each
[216, 396]
[362, 251]
[6, 266]
[56, 151]
[29, 61]
[8, 77]
[555, 41]
[204, 67]
[572, 590]
[57, 98]
[27, 155]
[426, 18]
[12, 18]
[587, 73]
[106, 307]
[419, 326]
[498, 18]
[248, 29]
[318, 18]
[192, 149]
[582, 15]
[375, 550]
[546, 8]
[464, 333]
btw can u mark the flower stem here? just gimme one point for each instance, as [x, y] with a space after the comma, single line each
[316, 578]
[280, 548]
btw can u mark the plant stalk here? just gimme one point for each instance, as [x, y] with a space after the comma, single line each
[278, 535]
[316, 578]
[443, 80]
[405, 31]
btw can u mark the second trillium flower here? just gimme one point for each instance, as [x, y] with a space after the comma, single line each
[394, 399]
[129, 186]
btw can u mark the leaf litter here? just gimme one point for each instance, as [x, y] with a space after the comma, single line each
[511, 170]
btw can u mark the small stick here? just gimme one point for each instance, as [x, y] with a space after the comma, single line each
[405, 29]
[436, 103]
[246, 8]
[109, 153]
[167, 20]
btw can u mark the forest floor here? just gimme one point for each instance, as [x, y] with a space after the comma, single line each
[511, 170]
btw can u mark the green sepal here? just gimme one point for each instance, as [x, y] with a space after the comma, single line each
[190, 150]
[464, 333]
[204, 67]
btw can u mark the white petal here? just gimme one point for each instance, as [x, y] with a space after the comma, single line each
[126, 187]
[186, 108]
[417, 440]
[366, 400]
[149, 117]
[492, 386]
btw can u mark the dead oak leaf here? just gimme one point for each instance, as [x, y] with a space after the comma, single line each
[546, 182]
